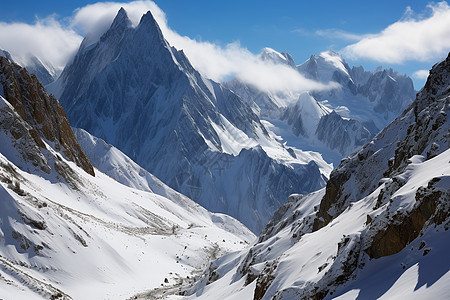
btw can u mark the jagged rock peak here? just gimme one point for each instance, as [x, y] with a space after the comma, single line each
[149, 22]
[179, 123]
[269, 54]
[437, 85]
[41, 111]
[121, 20]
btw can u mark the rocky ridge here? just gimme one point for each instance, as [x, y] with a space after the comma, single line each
[42, 112]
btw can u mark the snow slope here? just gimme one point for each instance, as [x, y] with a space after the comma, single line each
[101, 240]
[378, 230]
[136, 92]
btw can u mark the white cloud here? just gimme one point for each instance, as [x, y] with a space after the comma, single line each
[420, 38]
[334, 33]
[51, 41]
[421, 74]
[219, 63]
[47, 39]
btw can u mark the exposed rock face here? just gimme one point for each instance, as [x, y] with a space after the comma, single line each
[41, 111]
[28, 143]
[430, 204]
[342, 135]
[421, 128]
[430, 114]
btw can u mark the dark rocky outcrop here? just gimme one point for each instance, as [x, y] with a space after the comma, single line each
[41, 111]
[27, 141]
[405, 228]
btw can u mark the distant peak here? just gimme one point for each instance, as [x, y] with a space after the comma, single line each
[330, 53]
[121, 19]
[149, 25]
[148, 18]
[270, 54]
[268, 50]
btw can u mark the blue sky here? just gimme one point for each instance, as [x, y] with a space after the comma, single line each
[301, 28]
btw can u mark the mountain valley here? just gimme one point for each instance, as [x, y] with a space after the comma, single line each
[131, 175]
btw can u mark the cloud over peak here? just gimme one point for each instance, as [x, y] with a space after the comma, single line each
[56, 41]
[47, 39]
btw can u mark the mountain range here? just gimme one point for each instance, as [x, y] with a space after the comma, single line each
[333, 122]
[194, 134]
[233, 148]
[138, 199]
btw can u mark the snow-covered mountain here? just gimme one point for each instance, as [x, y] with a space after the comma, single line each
[378, 96]
[268, 54]
[136, 92]
[67, 234]
[379, 230]
[45, 72]
[333, 122]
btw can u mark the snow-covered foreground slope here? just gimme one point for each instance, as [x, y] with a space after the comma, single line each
[380, 228]
[136, 92]
[69, 232]
[102, 239]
